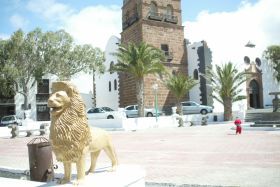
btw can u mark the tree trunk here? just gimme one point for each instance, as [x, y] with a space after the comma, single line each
[140, 97]
[25, 91]
[179, 108]
[180, 113]
[227, 109]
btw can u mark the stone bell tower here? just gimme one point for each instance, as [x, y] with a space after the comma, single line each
[158, 23]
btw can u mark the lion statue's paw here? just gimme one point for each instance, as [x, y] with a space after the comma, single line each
[63, 181]
[112, 169]
[78, 182]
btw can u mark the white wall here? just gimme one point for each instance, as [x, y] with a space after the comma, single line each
[84, 84]
[270, 84]
[104, 97]
[193, 64]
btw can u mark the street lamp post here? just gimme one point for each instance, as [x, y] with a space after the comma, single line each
[155, 87]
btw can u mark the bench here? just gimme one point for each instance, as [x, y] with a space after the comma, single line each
[15, 130]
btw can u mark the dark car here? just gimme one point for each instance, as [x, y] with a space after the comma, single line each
[9, 120]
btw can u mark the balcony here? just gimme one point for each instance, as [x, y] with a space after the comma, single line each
[155, 16]
[42, 98]
[133, 19]
[130, 20]
[170, 18]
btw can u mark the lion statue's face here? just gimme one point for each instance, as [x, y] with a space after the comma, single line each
[58, 102]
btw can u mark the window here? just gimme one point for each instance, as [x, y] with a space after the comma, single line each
[126, 16]
[43, 86]
[109, 86]
[247, 60]
[169, 11]
[258, 61]
[22, 106]
[138, 9]
[107, 109]
[195, 74]
[169, 15]
[42, 108]
[165, 48]
[130, 108]
[97, 110]
[186, 104]
[111, 67]
[115, 84]
[153, 8]
[168, 54]
[90, 111]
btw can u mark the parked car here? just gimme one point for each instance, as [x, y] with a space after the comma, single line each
[104, 113]
[132, 111]
[191, 107]
[9, 120]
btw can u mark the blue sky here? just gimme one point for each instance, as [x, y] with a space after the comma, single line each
[226, 25]
[13, 11]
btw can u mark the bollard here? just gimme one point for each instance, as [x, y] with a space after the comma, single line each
[40, 160]
[14, 130]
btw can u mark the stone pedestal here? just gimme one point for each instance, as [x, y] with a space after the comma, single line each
[124, 176]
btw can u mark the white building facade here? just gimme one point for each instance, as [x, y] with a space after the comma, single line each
[40, 92]
[199, 58]
[107, 85]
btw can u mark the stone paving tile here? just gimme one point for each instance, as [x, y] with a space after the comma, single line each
[208, 155]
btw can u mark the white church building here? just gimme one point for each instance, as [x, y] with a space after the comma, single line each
[107, 85]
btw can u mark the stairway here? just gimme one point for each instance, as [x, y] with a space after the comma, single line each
[262, 116]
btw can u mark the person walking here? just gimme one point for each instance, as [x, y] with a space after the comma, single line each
[237, 122]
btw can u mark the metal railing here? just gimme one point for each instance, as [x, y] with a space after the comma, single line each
[170, 18]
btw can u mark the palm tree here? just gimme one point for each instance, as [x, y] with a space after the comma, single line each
[179, 85]
[139, 60]
[225, 83]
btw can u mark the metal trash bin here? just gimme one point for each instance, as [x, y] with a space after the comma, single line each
[40, 160]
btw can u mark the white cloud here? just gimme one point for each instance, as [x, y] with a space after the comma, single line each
[4, 36]
[18, 21]
[50, 9]
[94, 25]
[91, 25]
[227, 32]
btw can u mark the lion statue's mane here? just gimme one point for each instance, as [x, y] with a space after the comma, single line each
[69, 131]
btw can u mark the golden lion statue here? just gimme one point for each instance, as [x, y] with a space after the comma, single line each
[70, 135]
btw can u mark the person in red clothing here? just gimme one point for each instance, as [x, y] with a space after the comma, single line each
[237, 122]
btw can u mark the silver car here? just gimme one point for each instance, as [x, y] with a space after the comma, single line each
[132, 111]
[103, 113]
[191, 107]
[9, 120]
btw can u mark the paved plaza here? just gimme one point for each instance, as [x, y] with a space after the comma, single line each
[202, 155]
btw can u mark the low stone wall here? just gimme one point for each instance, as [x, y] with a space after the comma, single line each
[152, 122]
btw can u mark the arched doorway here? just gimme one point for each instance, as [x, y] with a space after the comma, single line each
[254, 94]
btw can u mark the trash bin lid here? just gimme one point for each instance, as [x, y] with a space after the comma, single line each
[38, 140]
